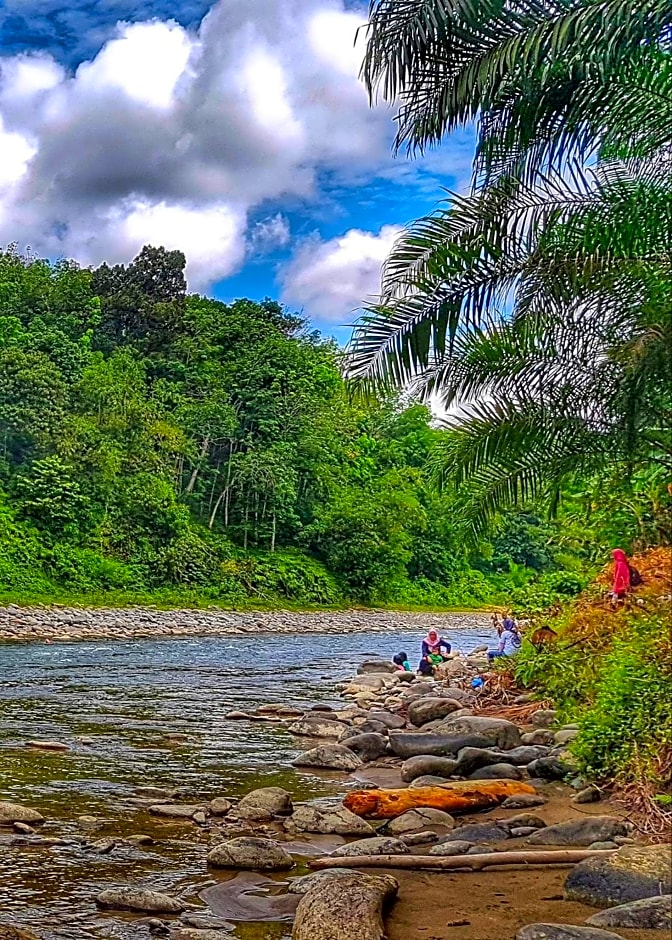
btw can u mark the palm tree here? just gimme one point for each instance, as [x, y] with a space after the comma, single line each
[543, 298]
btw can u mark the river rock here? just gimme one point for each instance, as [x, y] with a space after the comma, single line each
[589, 794]
[330, 757]
[565, 735]
[304, 884]
[11, 813]
[330, 820]
[418, 743]
[365, 727]
[480, 832]
[373, 666]
[379, 845]
[549, 768]
[544, 718]
[427, 764]
[424, 710]
[563, 932]
[497, 772]
[368, 746]
[630, 874]
[538, 736]
[522, 819]
[316, 728]
[421, 818]
[198, 933]
[523, 801]
[138, 899]
[653, 913]
[250, 854]
[525, 754]
[453, 847]
[499, 731]
[389, 719]
[345, 907]
[175, 810]
[265, 803]
[428, 780]
[580, 831]
[48, 745]
[7, 932]
[424, 837]
[220, 806]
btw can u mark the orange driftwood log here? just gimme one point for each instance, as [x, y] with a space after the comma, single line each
[462, 796]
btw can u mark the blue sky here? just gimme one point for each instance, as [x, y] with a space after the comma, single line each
[237, 131]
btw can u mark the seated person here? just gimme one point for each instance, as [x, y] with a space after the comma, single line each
[509, 641]
[401, 660]
[432, 655]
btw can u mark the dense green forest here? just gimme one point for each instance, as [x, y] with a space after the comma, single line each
[165, 446]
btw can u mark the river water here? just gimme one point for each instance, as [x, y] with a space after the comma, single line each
[152, 713]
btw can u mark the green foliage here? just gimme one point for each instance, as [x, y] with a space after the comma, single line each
[542, 297]
[628, 723]
[163, 445]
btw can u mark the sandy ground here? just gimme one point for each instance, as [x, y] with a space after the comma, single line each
[493, 904]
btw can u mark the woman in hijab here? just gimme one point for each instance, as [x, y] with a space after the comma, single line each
[432, 654]
[621, 584]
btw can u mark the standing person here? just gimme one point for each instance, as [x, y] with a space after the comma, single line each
[432, 654]
[621, 582]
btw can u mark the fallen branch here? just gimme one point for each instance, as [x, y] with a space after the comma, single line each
[451, 862]
[463, 796]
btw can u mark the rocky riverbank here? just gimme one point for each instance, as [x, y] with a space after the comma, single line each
[430, 783]
[70, 624]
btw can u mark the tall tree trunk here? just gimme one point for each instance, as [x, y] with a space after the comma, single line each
[205, 446]
[213, 515]
[273, 530]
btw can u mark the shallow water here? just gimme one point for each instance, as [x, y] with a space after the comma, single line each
[130, 698]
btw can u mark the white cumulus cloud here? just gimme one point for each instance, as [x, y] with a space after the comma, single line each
[173, 136]
[331, 279]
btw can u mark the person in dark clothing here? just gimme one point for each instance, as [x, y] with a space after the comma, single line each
[435, 649]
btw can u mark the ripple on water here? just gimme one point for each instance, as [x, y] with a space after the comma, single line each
[127, 698]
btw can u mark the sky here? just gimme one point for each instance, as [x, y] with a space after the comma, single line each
[237, 131]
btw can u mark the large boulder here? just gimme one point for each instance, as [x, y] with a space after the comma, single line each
[330, 820]
[417, 819]
[424, 710]
[367, 746]
[329, 757]
[344, 906]
[380, 845]
[426, 764]
[265, 803]
[647, 914]
[504, 734]
[176, 810]
[523, 801]
[632, 873]
[11, 813]
[413, 744]
[317, 727]
[250, 854]
[583, 831]
[563, 932]
[138, 899]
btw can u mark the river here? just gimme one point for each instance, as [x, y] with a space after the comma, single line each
[152, 712]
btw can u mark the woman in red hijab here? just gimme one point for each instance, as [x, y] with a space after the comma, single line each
[621, 583]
